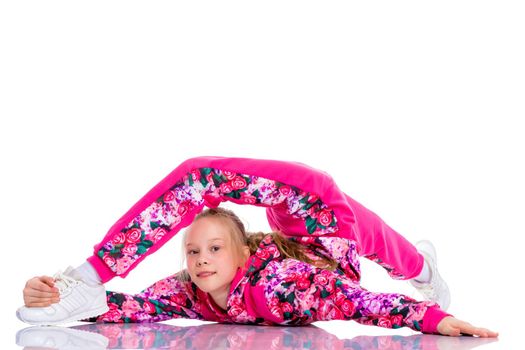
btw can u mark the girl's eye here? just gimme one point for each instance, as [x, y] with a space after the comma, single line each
[191, 251]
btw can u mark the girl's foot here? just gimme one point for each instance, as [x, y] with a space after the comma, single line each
[78, 301]
[436, 289]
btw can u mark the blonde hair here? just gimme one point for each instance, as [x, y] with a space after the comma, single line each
[239, 238]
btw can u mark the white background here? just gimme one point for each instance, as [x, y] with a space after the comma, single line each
[416, 110]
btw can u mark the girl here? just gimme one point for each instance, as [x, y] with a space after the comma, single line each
[306, 271]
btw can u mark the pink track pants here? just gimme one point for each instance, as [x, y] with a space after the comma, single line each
[278, 186]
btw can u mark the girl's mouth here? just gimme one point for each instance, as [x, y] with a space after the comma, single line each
[205, 274]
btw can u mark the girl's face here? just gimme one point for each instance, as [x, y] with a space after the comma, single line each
[208, 249]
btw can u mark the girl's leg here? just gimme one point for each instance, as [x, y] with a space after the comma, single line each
[300, 201]
[402, 260]
[375, 239]
[383, 245]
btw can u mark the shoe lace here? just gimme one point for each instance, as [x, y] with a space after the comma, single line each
[63, 282]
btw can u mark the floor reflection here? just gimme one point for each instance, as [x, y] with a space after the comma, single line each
[223, 336]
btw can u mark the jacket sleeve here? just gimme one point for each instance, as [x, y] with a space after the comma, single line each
[390, 310]
[297, 294]
[166, 299]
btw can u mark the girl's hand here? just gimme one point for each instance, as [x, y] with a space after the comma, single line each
[40, 292]
[454, 327]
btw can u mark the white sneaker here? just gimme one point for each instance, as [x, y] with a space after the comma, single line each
[437, 289]
[78, 301]
[60, 338]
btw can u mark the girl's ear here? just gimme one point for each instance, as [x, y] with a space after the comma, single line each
[246, 252]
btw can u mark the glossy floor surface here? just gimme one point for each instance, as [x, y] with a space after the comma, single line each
[224, 336]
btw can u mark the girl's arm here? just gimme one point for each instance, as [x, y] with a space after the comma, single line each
[297, 294]
[393, 310]
[166, 299]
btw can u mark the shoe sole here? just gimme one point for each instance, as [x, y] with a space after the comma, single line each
[87, 314]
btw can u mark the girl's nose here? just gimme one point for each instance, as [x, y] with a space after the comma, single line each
[201, 262]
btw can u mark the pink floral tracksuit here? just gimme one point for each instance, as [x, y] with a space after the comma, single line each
[303, 203]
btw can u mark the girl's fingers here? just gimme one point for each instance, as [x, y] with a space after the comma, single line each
[33, 300]
[40, 294]
[47, 280]
[45, 284]
[454, 327]
[486, 333]
[480, 332]
[45, 287]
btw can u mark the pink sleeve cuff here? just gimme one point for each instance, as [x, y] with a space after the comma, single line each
[431, 319]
